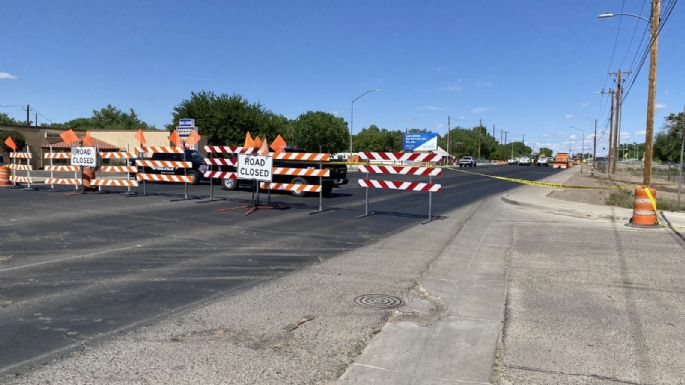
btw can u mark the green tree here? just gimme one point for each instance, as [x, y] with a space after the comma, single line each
[546, 151]
[225, 119]
[106, 118]
[374, 138]
[317, 130]
[6, 120]
[667, 141]
[17, 137]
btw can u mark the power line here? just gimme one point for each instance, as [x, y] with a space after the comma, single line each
[667, 14]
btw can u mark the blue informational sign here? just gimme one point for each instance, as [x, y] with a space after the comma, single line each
[424, 141]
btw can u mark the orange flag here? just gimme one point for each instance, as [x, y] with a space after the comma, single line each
[88, 140]
[249, 143]
[175, 139]
[9, 142]
[264, 149]
[69, 136]
[257, 142]
[140, 137]
[278, 145]
[193, 138]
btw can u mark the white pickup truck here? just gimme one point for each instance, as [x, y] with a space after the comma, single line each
[467, 161]
[543, 161]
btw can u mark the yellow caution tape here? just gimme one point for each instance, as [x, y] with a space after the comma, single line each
[545, 184]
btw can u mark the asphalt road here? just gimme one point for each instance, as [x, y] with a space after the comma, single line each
[78, 269]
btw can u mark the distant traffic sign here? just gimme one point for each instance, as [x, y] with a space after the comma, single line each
[424, 141]
[184, 132]
[255, 167]
[186, 122]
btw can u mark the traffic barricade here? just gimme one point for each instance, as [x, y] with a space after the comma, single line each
[300, 174]
[150, 177]
[110, 169]
[215, 159]
[430, 171]
[52, 180]
[17, 165]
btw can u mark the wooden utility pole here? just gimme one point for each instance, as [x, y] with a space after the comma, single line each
[617, 119]
[651, 95]
[611, 133]
[28, 119]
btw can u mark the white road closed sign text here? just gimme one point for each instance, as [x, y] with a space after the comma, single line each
[84, 156]
[255, 167]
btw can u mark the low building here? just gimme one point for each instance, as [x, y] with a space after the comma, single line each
[39, 139]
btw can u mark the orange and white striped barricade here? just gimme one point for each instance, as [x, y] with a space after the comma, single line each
[300, 172]
[215, 159]
[109, 169]
[52, 181]
[17, 165]
[149, 177]
[429, 187]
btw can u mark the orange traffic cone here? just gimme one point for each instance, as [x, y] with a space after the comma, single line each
[644, 208]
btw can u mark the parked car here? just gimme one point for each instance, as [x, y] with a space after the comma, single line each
[196, 171]
[512, 161]
[524, 161]
[543, 161]
[467, 161]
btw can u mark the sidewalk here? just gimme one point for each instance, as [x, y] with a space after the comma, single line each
[539, 198]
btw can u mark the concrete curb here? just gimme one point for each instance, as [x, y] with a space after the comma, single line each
[530, 197]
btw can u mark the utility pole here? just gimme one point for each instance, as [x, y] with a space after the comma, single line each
[611, 133]
[28, 120]
[617, 120]
[505, 136]
[493, 131]
[501, 134]
[35, 122]
[594, 148]
[651, 95]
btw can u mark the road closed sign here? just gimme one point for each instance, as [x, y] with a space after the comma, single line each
[84, 156]
[255, 167]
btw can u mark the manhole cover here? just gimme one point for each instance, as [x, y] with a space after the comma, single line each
[381, 301]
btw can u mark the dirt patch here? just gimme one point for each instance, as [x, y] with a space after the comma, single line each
[666, 195]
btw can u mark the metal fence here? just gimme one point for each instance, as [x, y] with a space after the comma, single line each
[667, 171]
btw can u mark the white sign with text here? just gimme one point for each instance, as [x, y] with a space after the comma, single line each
[84, 156]
[255, 167]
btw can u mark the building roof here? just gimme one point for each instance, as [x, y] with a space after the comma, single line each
[101, 145]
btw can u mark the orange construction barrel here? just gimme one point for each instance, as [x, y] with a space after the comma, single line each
[4, 176]
[644, 213]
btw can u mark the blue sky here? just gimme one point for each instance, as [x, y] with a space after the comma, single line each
[529, 67]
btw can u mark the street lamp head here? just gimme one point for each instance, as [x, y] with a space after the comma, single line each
[377, 89]
[605, 15]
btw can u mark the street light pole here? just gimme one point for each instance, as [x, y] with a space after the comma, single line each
[352, 113]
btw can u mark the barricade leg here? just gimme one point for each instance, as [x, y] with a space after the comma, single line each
[320, 210]
[366, 201]
[430, 202]
[52, 174]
